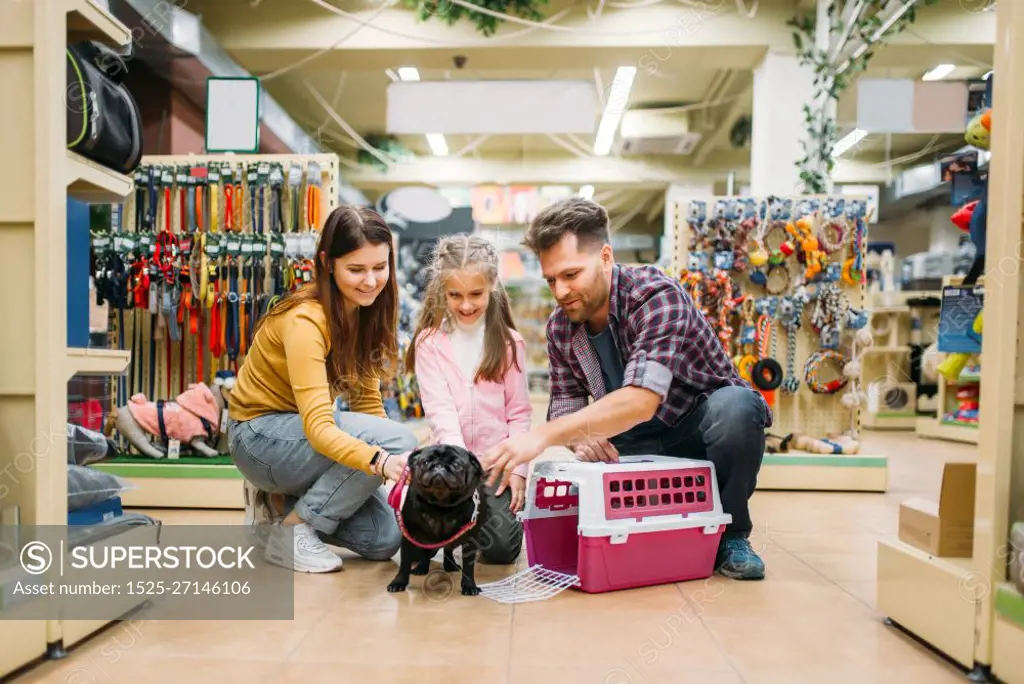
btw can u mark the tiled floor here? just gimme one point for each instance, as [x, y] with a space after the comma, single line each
[812, 620]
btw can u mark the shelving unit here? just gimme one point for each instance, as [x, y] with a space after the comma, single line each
[36, 363]
[187, 482]
[963, 607]
[939, 427]
[812, 415]
[885, 372]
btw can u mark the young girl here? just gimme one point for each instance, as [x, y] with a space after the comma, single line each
[313, 471]
[470, 364]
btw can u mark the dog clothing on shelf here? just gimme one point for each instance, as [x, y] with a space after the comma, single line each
[192, 414]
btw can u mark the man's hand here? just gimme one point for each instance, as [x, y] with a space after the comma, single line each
[509, 454]
[595, 450]
[518, 486]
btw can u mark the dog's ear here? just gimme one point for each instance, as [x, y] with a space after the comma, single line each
[413, 460]
[474, 463]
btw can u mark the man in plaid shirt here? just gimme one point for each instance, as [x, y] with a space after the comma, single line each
[632, 340]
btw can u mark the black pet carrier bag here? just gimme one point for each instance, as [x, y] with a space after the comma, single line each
[103, 120]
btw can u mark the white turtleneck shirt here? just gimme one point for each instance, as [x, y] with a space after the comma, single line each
[468, 345]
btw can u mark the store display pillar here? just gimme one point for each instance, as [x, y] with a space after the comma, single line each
[781, 89]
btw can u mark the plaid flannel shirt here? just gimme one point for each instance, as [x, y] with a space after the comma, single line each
[666, 345]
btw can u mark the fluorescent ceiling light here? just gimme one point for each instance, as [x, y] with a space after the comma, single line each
[409, 73]
[437, 144]
[987, 75]
[614, 107]
[587, 192]
[938, 73]
[851, 139]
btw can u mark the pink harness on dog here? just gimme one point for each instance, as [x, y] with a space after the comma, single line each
[396, 499]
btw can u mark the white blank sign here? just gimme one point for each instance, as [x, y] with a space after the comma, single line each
[232, 115]
[492, 107]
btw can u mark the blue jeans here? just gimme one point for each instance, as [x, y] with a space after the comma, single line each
[346, 506]
[727, 429]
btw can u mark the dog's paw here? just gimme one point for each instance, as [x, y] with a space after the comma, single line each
[470, 589]
[397, 586]
[451, 566]
[421, 569]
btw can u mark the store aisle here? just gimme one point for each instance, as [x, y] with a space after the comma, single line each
[813, 617]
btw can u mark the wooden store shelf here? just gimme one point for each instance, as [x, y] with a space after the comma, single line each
[930, 428]
[822, 472]
[934, 598]
[101, 362]
[177, 484]
[88, 20]
[890, 421]
[94, 183]
[1008, 637]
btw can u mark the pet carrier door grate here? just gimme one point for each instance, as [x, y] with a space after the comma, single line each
[536, 583]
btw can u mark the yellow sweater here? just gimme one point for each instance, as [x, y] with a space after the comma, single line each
[285, 370]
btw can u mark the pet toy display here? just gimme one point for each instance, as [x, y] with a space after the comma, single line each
[781, 281]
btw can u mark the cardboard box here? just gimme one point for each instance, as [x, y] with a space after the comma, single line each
[946, 528]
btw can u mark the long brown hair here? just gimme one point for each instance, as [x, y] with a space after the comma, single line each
[368, 346]
[459, 253]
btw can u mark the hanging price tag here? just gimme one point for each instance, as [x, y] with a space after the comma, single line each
[173, 449]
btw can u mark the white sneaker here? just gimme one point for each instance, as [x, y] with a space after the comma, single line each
[258, 514]
[307, 552]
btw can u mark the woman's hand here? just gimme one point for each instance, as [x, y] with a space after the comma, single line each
[517, 484]
[392, 465]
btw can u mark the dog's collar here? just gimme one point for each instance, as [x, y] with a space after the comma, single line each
[396, 499]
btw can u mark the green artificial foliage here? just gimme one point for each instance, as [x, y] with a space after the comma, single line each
[816, 165]
[486, 23]
[388, 144]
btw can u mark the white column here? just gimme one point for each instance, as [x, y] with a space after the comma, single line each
[781, 89]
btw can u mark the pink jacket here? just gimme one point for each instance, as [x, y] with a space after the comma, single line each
[476, 416]
[183, 417]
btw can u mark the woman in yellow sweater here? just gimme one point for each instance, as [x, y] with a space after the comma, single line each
[314, 472]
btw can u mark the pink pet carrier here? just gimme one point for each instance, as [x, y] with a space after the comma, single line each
[643, 521]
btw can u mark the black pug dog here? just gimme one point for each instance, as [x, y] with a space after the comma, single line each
[445, 490]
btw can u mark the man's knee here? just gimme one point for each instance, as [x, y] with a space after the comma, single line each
[501, 539]
[737, 405]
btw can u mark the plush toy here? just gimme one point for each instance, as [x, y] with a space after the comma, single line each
[979, 130]
[832, 444]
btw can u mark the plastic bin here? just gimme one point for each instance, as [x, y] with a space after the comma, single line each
[644, 521]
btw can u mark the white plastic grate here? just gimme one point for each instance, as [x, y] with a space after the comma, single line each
[533, 584]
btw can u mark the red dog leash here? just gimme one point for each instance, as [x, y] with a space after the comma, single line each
[396, 498]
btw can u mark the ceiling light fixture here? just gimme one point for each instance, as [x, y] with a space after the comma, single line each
[409, 73]
[587, 192]
[938, 73]
[615, 106]
[852, 138]
[438, 145]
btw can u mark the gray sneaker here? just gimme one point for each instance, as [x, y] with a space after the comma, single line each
[259, 516]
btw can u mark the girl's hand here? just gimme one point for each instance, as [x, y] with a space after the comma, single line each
[517, 484]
